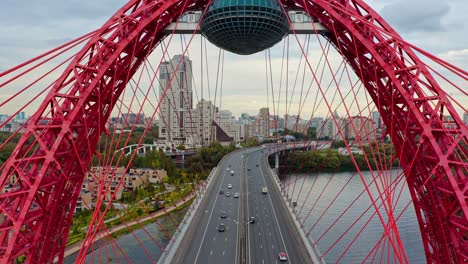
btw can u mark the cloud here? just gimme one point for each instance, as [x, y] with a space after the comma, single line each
[455, 53]
[417, 15]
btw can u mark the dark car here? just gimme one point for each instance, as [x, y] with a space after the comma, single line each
[221, 191]
[221, 228]
[257, 165]
[223, 215]
[252, 220]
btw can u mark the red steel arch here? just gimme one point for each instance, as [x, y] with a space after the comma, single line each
[38, 212]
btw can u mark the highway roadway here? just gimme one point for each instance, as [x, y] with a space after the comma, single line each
[203, 243]
[273, 231]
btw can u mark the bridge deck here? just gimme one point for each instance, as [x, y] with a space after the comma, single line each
[274, 230]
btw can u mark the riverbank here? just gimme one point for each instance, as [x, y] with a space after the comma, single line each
[331, 160]
[127, 227]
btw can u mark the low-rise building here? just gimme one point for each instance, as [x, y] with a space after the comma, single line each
[116, 181]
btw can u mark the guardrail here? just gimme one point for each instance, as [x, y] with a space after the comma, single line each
[314, 252]
[179, 234]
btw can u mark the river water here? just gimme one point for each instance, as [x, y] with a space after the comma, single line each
[141, 250]
[316, 205]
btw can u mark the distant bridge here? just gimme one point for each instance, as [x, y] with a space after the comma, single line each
[142, 149]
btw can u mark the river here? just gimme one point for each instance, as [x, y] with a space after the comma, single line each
[407, 224]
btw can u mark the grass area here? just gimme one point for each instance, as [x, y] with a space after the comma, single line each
[149, 221]
[136, 211]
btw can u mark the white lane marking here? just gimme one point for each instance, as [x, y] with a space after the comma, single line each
[238, 215]
[248, 216]
[276, 218]
[214, 238]
[273, 246]
[209, 219]
[261, 246]
[225, 239]
[224, 252]
[211, 252]
[270, 233]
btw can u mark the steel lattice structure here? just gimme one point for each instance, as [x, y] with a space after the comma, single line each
[53, 155]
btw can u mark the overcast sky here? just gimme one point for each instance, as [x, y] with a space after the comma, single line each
[31, 27]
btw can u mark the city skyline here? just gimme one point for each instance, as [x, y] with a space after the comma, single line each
[439, 30]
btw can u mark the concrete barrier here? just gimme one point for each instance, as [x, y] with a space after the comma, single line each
[177, 237]
[314, 252]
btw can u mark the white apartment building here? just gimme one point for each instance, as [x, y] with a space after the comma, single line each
[228, 123]
[330, 129]
[175, 112]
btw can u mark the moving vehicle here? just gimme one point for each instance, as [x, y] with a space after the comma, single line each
[228, 194]
[236, 195]
[283, 256]
[264, 190]
[232, 173]
[252, 220]
[223, 215]
[221, 191]
[229, 186]
[221, 228]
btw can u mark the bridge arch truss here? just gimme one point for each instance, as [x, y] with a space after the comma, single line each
[67, 126]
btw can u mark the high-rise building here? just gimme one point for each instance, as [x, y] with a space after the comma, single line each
[262, 124]
[295, 124]
[329, 129]
[175, 113]
[228, 123]
[21, 116]
[377, 119]
[316, 122]
[360, 128]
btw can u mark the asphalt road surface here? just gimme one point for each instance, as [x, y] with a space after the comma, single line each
[273, 231]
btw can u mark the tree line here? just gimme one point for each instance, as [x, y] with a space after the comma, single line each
[330, 160]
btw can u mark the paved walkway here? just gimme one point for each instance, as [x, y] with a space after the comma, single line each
[76, 247]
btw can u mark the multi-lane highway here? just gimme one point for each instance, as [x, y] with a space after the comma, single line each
[274, 230]
[242, 242]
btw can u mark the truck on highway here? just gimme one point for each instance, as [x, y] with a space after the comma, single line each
[264, 190]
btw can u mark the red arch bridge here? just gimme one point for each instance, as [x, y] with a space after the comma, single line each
[343, 79]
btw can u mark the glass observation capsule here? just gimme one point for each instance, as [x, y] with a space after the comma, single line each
[244, 26]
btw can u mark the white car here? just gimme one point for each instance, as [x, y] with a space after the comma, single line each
[236, 195]
[227, 169]
[229, 186]
[283, 256]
